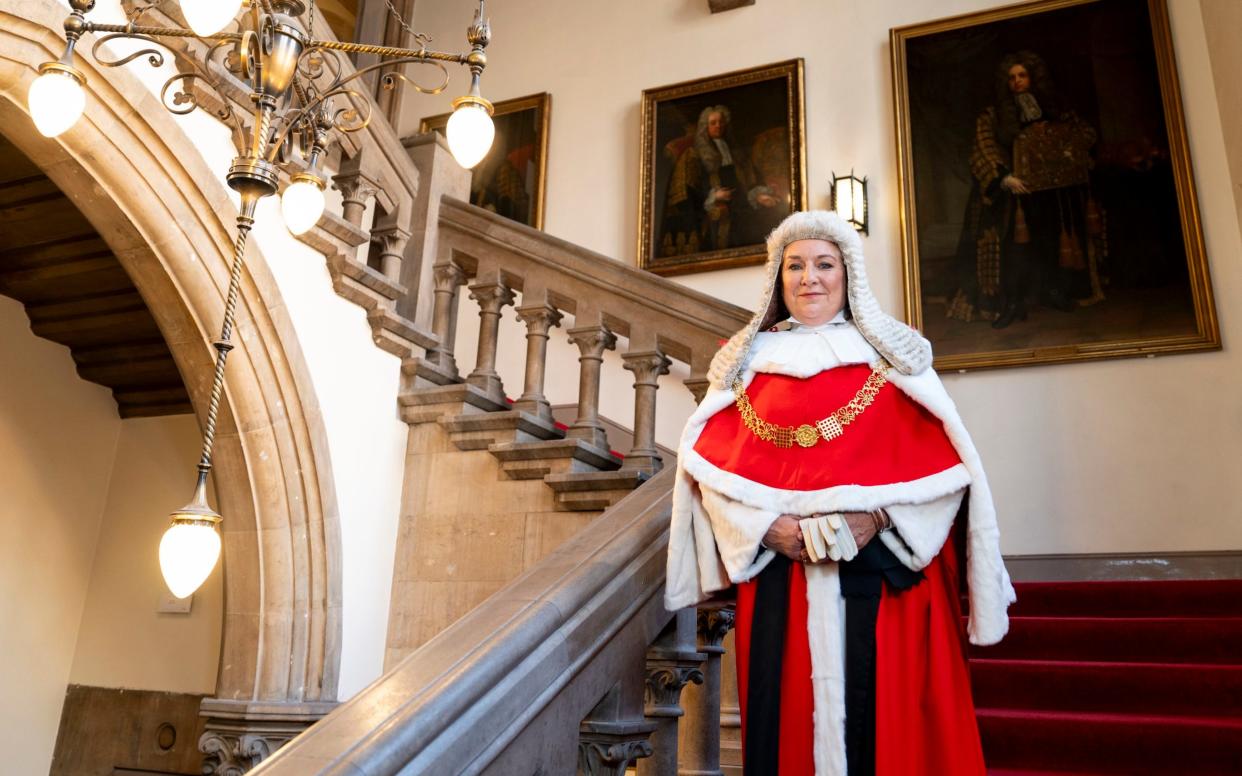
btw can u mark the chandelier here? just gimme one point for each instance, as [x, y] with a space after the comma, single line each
[295, 82]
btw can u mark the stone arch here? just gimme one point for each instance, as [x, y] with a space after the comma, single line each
[167, 216]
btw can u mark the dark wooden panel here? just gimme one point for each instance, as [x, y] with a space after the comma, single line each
[77, 294]
[103, 731]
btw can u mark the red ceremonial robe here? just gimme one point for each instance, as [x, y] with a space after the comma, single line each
[925, 721]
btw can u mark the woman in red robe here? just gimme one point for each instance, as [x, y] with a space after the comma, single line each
[822, 476]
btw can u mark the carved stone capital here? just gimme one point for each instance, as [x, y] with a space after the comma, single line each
[602, 756]
[714, 624]
[647, 366]
[355, 187]
[239, 735]
[391, 239]
[492, 297]
[230, 755]
[698, 387]
[448, 277]
[665, 680]
[592, 341]
[539, 319]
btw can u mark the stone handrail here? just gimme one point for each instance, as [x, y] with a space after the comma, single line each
[506, 688]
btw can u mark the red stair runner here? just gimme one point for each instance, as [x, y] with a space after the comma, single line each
[1104, 678]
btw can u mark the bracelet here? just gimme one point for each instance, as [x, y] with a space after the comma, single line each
[881, 520]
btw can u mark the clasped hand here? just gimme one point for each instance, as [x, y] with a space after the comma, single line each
[785, 534]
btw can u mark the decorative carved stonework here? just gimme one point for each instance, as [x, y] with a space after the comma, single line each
[448, 278]
[647, 367]
[240, 735]
[227, 755]
[539, 319]
[665, 679]
[698, 387]
[391, 240]
[714, 625]
[609, 758]
[356, 188]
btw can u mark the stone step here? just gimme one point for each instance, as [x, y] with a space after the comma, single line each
[536, 460]
[418, 373]
[481, 430]
[586, 491]
[431, 403]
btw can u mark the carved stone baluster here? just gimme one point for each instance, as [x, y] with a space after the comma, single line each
[614, 733]
[700, 734]
[448, 278]
[647, 367]
[356, 188]
[672, 663]
[539, 320]
[492, 296]
[392, 240]
[592, 341]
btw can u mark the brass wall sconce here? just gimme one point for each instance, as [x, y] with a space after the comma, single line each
[293, 80]
[849, 199]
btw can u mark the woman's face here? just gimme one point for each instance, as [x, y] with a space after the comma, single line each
[1019, 79]
[813, 281]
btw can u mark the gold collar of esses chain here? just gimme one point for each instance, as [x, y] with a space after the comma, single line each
[808, 435]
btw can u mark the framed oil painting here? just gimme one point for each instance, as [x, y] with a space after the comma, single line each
[1048, 203]
[723, 161]
[510, 179]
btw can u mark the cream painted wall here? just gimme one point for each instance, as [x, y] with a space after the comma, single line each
[123, 641]
[355, 385]
[58, 438]
[1118, 456]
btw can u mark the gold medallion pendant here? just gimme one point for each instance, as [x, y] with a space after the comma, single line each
[808, 435]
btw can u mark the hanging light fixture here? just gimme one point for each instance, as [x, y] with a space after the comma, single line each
[292, 88]
[207, 17]
[849, 199]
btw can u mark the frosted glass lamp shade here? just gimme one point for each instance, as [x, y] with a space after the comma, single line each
[207, 17]
[188, 553]
[302, 203]
[470, 132]
[56, 99]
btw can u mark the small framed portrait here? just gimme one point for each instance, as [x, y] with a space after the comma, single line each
[510, 179]
[1048, 202]
[723, 161]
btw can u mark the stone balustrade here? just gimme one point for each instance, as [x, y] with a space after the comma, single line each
[497, 259]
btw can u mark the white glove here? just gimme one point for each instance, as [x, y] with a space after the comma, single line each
[828, 537]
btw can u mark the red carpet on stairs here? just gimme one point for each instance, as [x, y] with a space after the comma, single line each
[1095, 678]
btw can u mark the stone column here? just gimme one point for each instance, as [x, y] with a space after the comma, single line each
[392, 240]
[492, 296]
[444, 321]
[539, 320]
[700, 740]
[672, 663]
[647, 366]
[356, 188]
[592, 341]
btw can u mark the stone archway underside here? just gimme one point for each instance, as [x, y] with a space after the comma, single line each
[166, 215]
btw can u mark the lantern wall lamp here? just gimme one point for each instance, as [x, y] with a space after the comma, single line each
[293, 81]
[849, 199]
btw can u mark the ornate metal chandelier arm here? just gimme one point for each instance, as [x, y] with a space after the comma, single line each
[410, 55]
[157, 32]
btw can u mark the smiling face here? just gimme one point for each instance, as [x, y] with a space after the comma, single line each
[813, 281]
[1019, 79]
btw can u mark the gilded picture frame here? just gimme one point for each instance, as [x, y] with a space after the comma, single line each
[722, 161]
[1048, 207]
[512, 179]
